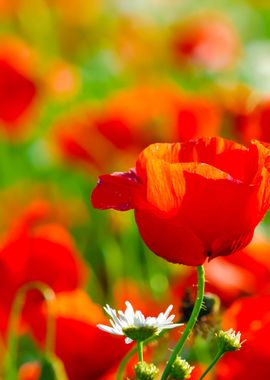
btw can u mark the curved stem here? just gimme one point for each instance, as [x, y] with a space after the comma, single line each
[12, 338]
[190, 324]
[140, 350]
[216, 358]
[125, 360]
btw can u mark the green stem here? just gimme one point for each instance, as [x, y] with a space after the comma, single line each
[125, 360]
[190, 324]
[12, 336]
[216, 358]
[140, 350]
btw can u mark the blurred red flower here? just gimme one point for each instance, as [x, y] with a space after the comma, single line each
[191, 201]
[18, 89]
[250, 316]
[86, 351]
[16, 94]
[130, 120]
[37, 252]
[253, 124]
[206, 40]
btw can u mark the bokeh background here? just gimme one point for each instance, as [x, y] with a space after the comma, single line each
[84, 87]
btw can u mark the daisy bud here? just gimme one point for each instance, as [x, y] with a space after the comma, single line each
[145, 371]
[180, 370]
[230, 340]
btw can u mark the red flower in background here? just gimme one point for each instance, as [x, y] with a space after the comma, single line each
[37, 252]
[250, 316]
[18, 89]
[255, 123]
[247, 111]
[17, 93]
[132, 119]
[86, 351]
[191, 201]
[206, 40]
[156, 113]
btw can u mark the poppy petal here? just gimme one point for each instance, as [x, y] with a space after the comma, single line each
[115, 191]
[169, 239]
[166, 183]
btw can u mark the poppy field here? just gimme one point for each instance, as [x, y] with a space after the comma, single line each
[134, 190]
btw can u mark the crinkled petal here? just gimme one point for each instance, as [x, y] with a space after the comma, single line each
[115, 191]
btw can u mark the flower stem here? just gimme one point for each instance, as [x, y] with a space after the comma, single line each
[216, 358]
[125, 360]
[190, 324]
[12, 336]
[140, 350]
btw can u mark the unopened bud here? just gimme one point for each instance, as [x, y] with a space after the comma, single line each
[145, 371]
[230, 340]
[180, 369]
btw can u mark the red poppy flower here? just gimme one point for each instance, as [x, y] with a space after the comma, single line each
[191, 200]
[44, 254]
[86, 352]
[251, 317]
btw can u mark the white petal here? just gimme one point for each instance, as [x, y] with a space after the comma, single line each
[170, 319]
[166, 327]
[128, 340]
[151, 321]
[129, 312]
[124, 321]
[112, 313]
[139, 319]
[109, 330]
[116, 327]
[167, 312]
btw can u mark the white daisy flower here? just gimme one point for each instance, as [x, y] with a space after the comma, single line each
[135, 326]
